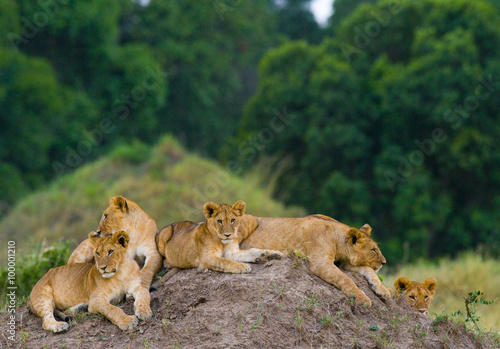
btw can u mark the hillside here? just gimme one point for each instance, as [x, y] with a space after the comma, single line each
[166, 181]
[280, 304]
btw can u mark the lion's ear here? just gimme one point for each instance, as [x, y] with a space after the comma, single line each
[430, 285]
[95, 237]
[120, 203]
[209, 209]
[401, 284]
[353, 235]
[366, 229]
[239, 208]
[121, 238]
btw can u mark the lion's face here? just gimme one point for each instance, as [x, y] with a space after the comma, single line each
[115, 217]
[109, 252]
[366, 251]
[223, 220]
[419, 296]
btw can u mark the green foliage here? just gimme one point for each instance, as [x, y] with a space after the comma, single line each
[471, 302]
[394, 130]
[31, 266]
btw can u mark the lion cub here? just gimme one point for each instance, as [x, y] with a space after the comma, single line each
[212, 244]
[419, 296]
[112, 276]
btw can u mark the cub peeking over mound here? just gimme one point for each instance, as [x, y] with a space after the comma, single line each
[327, 244]
[72, 286]
[419, 296]
[124, 214]
[212, 244]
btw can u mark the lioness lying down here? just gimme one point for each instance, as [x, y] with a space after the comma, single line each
[124, 214]
[72, 286]
[212, 244]
[419, 296]
[326, 243]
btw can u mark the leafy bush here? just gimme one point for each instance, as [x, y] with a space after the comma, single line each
[31, 267]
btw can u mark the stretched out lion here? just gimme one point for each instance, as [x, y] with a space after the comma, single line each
[327, 244]
[124, 214]
[69, 287]
[212, 244]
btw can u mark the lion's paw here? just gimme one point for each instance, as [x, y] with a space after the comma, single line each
[130, 323]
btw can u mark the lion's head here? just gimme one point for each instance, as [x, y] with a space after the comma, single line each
[366, 251]
[223, 220]
[419, 296]
[121, 214]
[109, 251]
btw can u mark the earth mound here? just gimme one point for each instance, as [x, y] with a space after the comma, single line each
[280, 304]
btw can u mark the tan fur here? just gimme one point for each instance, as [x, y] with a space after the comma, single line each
[324, 241]
[419, 296]
[212, 244]
[74, 285]
[124, 214]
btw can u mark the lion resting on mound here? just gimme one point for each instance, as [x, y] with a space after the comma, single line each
[419, 296]
[74, 285]
[326, 243]
[212, 244]
[124, 214]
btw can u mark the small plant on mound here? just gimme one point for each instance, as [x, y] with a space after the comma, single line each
[471, 302]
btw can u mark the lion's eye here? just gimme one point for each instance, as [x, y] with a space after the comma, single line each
[98, 254]
[426, 297]
[219, 221]
[412, 297]
[374, 250]
[233, 220]
[105, 216]
[110, 252]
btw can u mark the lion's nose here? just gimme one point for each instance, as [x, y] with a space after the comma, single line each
[227, 235]
[104, 268]
[422, 311]
[383, 262]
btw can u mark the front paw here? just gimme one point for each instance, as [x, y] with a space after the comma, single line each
[382, 292]
[129, 323]
[144, 314]
[362, 299]
[270, 255]
[241, 268]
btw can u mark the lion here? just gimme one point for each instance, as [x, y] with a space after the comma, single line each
[124, 214]
[212, 244]
[326, 243]
[73, 286]
[419, 296]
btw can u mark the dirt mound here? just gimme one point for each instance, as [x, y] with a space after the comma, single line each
[280, 304]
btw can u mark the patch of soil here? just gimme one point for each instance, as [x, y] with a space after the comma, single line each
[280, 304]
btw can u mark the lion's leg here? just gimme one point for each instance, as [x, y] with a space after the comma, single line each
[372, 278]
[42, 304]
[251, 255]
[325, 269]
[152, 265]
[142, 302]
[100, 305]
[84, 253]
[215, 262]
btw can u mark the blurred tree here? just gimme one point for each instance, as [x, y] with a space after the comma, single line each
[397, 130]
[209, 50]
[343, 8]
[296, 21]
